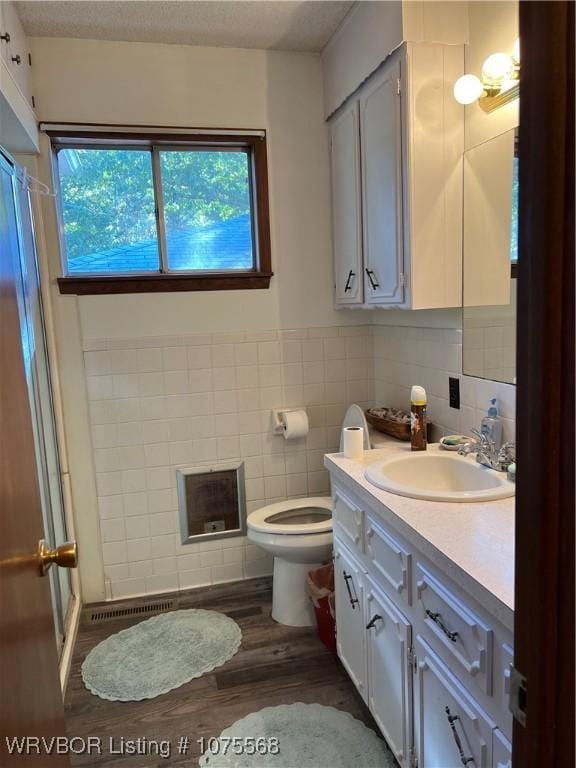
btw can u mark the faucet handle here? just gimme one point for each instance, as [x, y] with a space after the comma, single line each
[484, 441]
[507, 453]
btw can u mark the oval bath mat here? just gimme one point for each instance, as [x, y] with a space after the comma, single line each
[160, 654]
[298, 736]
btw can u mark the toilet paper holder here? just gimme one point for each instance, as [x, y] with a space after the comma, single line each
[278, 421]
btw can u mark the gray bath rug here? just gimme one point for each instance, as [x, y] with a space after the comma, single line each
[160, 654]
[297, 736]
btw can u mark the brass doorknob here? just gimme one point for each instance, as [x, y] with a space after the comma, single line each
[65, 556]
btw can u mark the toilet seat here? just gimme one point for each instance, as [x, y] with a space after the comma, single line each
[260, 520]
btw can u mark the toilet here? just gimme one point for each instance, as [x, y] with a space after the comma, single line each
[298, 533]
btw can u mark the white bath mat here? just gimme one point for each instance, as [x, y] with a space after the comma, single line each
[297, 736]
[160, 654]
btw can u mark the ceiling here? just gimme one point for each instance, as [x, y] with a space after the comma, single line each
[305, 25]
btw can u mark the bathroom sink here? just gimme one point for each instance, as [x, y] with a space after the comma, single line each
[439, 477]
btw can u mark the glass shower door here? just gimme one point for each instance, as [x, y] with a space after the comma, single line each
[40, 390]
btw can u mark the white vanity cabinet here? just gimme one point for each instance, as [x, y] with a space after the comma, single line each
[389, 662]
[428, 659]
[350, 607]
[396, 155]
[451, 729]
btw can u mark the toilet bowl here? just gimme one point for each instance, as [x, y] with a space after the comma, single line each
[298, 533]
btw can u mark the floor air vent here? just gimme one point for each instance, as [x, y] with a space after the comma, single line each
[105, 614]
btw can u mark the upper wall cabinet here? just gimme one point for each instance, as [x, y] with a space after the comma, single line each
[396, 148]
[14, 49]
[19, 131]
[346, 206]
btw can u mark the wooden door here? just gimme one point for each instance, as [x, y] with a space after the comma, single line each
[350, 623]
[381, 150]
[390, 675]
[544, 595]
[30, 695]
[346, 206]
[451, 729]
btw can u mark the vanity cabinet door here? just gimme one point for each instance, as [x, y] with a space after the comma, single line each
[350, 616]
[502, 751]
[346, 206]
[451, 729]
[388, 641]
[381, 145]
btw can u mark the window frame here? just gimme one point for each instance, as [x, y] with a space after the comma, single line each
[166, 280]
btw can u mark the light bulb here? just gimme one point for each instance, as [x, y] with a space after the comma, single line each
[498, 67]
[467, 89]
[516, 51]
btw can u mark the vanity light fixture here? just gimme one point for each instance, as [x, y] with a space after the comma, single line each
[500, 83]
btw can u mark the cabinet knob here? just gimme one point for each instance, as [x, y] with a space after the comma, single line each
[5, 37]
[17, 58]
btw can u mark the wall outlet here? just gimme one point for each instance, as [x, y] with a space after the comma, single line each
[454, 392]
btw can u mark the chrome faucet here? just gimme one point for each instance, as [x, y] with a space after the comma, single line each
[488, 454]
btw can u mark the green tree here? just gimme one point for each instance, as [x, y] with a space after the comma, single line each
[108, 194]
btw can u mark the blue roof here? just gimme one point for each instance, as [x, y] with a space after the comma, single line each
[217, 246]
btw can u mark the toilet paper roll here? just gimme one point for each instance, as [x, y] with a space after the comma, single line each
[295, 424]
[353, 442]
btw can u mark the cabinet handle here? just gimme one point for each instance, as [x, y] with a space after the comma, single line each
[17, 58]
[348, 287]
[347, 579]
[453, 636]
[451, 720]
[5, 37]
[373, 620]
[373, 282]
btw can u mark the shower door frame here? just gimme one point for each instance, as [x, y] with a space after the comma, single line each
[64, 615]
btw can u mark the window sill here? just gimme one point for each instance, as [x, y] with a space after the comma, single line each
[102, 284]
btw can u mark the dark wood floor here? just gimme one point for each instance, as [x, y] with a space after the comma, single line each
[275, 665]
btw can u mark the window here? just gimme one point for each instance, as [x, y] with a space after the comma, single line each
[162, 213]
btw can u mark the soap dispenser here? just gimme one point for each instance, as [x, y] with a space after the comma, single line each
[491, 425]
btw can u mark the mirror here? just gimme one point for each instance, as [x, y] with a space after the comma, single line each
[490, 255]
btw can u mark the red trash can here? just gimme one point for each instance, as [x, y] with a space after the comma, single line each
[321, 591]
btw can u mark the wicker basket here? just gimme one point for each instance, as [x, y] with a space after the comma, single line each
[398, 429]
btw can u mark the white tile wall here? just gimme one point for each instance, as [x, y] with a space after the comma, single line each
[490, 348]
[159, 403]
[429, 356]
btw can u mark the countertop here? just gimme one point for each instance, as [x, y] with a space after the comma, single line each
[473, 543]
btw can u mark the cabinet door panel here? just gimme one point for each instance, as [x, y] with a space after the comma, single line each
[450, 727]
[502, 751]
[389, 559]
[389, 676]
[17, 49]
[349, 519]
[457, 633]
[346, 206]
[381, 145]
[350, 617]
